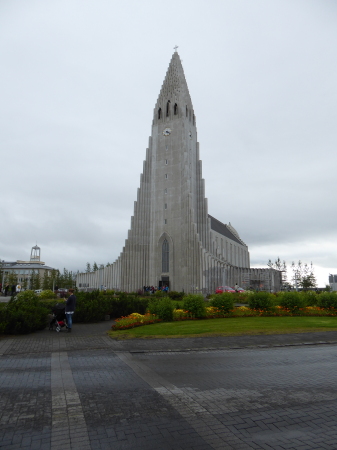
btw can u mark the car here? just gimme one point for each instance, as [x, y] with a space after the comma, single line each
[221, 289]
[38, 291]
[62, 290]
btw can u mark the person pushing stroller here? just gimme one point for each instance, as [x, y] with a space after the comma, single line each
[70, 309]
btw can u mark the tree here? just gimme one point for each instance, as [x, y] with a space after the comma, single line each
[35, 280]
[308, 281]
[95, 267]
[12, 278]
[24, 284]
[278, 264]
[282, 267]
[47, 282]
[88, 269]
[303, 275]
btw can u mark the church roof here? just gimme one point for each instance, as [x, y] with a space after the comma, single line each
[174, 87]
[224, 229]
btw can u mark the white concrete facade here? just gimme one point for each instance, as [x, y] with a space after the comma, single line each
[172, 239]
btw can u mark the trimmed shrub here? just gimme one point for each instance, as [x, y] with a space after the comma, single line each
[292, 301]
[93, 306]
[262, 301]
[195, 304]
[309, 298]
[47, 294]
[26, 295]
[327, 300]
[162, 308]
[223, 302]
[174, 295]
[49, 303]
[153, 305]
[159, 293]
[23, 314]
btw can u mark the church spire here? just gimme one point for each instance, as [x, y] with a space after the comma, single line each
[174, 88]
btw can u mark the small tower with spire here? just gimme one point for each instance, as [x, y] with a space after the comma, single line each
[35, 254]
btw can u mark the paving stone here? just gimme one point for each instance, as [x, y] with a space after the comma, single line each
[273, 398]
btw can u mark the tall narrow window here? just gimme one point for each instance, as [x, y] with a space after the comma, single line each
[168, 108]
[175, 109]
[165, 257]
[186, 111]
[165, 175]
[193, 119]
[159, 113]
[165, 207]
[165, 191]
[166, 162]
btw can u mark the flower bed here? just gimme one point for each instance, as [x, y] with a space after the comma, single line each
[134, 320]
[137, 320]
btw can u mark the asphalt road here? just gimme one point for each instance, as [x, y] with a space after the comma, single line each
[87, 391]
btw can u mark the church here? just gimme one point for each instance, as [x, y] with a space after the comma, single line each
[172, 240]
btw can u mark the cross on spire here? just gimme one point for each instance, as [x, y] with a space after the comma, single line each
[175, 48]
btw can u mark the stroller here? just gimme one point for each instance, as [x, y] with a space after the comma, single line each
[58, 318]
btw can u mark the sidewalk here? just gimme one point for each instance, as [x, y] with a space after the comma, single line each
[94, 336]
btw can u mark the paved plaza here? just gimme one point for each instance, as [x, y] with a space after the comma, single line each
[88, 391]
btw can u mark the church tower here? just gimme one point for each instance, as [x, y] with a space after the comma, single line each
[172, 239]
[170, 202]
[176, 209]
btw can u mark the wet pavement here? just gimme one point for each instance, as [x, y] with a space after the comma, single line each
[85, 390]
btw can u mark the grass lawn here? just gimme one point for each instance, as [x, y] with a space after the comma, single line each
[230, 327]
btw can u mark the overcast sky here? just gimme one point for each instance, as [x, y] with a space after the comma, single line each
[78, 83]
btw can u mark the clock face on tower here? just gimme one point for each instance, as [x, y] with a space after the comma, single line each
[167, 132]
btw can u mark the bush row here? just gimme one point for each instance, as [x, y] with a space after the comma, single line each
[293, 301]
[28, 312]
[23, 315]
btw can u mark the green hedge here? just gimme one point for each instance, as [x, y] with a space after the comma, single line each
[161, 307]
[93, 306]
[175, 295]
[27, 313]
[292, 301]
[23, 314]
[328, 300]
[262, 301]
[195, 304]
[224, 302]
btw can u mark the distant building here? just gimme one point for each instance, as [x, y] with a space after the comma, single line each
[173, 241]
[333, 282]
[24, 269]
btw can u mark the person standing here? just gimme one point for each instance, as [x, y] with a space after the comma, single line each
[6, 289]
[70, 309]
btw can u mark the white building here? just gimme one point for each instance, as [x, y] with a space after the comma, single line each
[333, 282]
[24, 269]
[173, 240]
